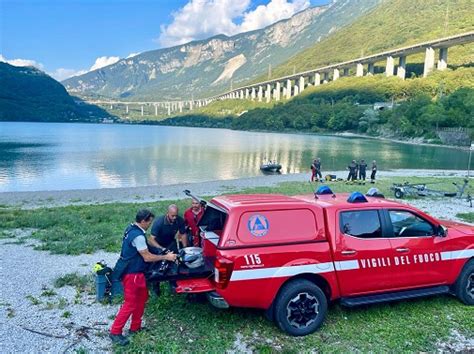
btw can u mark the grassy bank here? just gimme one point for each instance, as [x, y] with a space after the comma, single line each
[88, 228]
[179, 326]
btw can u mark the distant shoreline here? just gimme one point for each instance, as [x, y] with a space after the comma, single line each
[335, 134]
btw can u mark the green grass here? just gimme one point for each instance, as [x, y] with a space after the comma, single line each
[469, 217]
[80, 282]
[406, 326]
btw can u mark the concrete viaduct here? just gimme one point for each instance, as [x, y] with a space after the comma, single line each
[292, 85]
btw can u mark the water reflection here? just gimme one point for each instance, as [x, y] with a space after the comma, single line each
[47, 156]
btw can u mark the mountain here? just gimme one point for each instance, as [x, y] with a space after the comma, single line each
[28, 94]
[207, 67]
[393, 24]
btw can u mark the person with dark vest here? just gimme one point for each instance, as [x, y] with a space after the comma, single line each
[362, 169]
[191, 219]
[374, 171]
[136, 254]
[352, 171]
[317, 167]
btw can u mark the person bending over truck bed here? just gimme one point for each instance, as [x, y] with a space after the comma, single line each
[164, 230]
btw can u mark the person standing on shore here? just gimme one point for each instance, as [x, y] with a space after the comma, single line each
[191, 219]
[362, 169]
[135, 255]
[374, 171]
[352, 171]
[317, 166]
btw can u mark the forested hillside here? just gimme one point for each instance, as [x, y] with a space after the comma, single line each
[28, 94]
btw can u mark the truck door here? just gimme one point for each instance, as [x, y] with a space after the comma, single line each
[416, 250]
[362, 254]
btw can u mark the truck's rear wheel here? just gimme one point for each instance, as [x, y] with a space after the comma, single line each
[300, 308]
[464, 287]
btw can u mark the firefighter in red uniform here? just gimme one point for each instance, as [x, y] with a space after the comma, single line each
[191, 219]
[135, 255]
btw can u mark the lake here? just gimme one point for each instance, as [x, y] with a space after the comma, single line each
[63, 156]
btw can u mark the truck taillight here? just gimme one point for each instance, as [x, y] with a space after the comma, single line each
[222, 272]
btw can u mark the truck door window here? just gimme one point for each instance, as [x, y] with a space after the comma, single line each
[361, 223]
[407, 224]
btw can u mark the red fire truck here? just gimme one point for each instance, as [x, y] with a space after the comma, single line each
[292, 255]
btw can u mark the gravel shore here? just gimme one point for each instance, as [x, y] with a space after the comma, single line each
[37, 317]
[30, 200]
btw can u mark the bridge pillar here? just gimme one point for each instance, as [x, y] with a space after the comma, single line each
[241, 94]
[401, 69]
[126, 108]
[429, 61]
[180, 105]
[317, 79]
[260, 93]
[276, 91]
[360, 70]
[253, 93]
[288, 89]
[169, 109]
[335, 74]
[389, 66]
[190, 105]
[345, 72]
[443, 59]
[142, 111]
[111, 106]
[247, 93]
[370, 69]
[156, 109]
[326, 78]
[268, 93]
[301, 84]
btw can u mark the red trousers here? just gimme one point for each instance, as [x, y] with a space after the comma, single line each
[135, 296]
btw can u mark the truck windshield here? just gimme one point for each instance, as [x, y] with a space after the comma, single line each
[213, 219]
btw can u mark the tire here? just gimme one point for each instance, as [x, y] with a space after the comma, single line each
[398, 194]
[464, 286]
[294, 297]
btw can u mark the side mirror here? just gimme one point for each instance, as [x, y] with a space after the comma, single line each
[441, 231]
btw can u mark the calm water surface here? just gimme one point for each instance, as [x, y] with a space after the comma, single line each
[60, 156]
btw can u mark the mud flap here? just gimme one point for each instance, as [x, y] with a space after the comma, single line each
[194, 286]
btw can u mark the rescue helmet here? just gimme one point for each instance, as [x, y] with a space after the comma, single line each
[193, 260]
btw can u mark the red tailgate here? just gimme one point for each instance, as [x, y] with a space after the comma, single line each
[199, 285]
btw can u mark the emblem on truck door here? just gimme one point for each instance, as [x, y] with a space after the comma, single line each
[258, 225]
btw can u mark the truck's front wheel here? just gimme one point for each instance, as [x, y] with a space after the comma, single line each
[464, 287]
[300, 308]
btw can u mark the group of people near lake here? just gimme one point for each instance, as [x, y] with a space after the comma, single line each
[357, 170]
[169, 232]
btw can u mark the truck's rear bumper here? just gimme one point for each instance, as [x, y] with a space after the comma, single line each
[216, 300]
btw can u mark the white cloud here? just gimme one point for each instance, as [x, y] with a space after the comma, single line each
[61, 74]
[100, 62]
[274, 11]
[200, 19]
[22, 62]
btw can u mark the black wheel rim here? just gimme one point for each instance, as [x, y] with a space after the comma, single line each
[470, 286]
[302, 310]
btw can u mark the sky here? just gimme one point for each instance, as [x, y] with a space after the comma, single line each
[71, 37]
